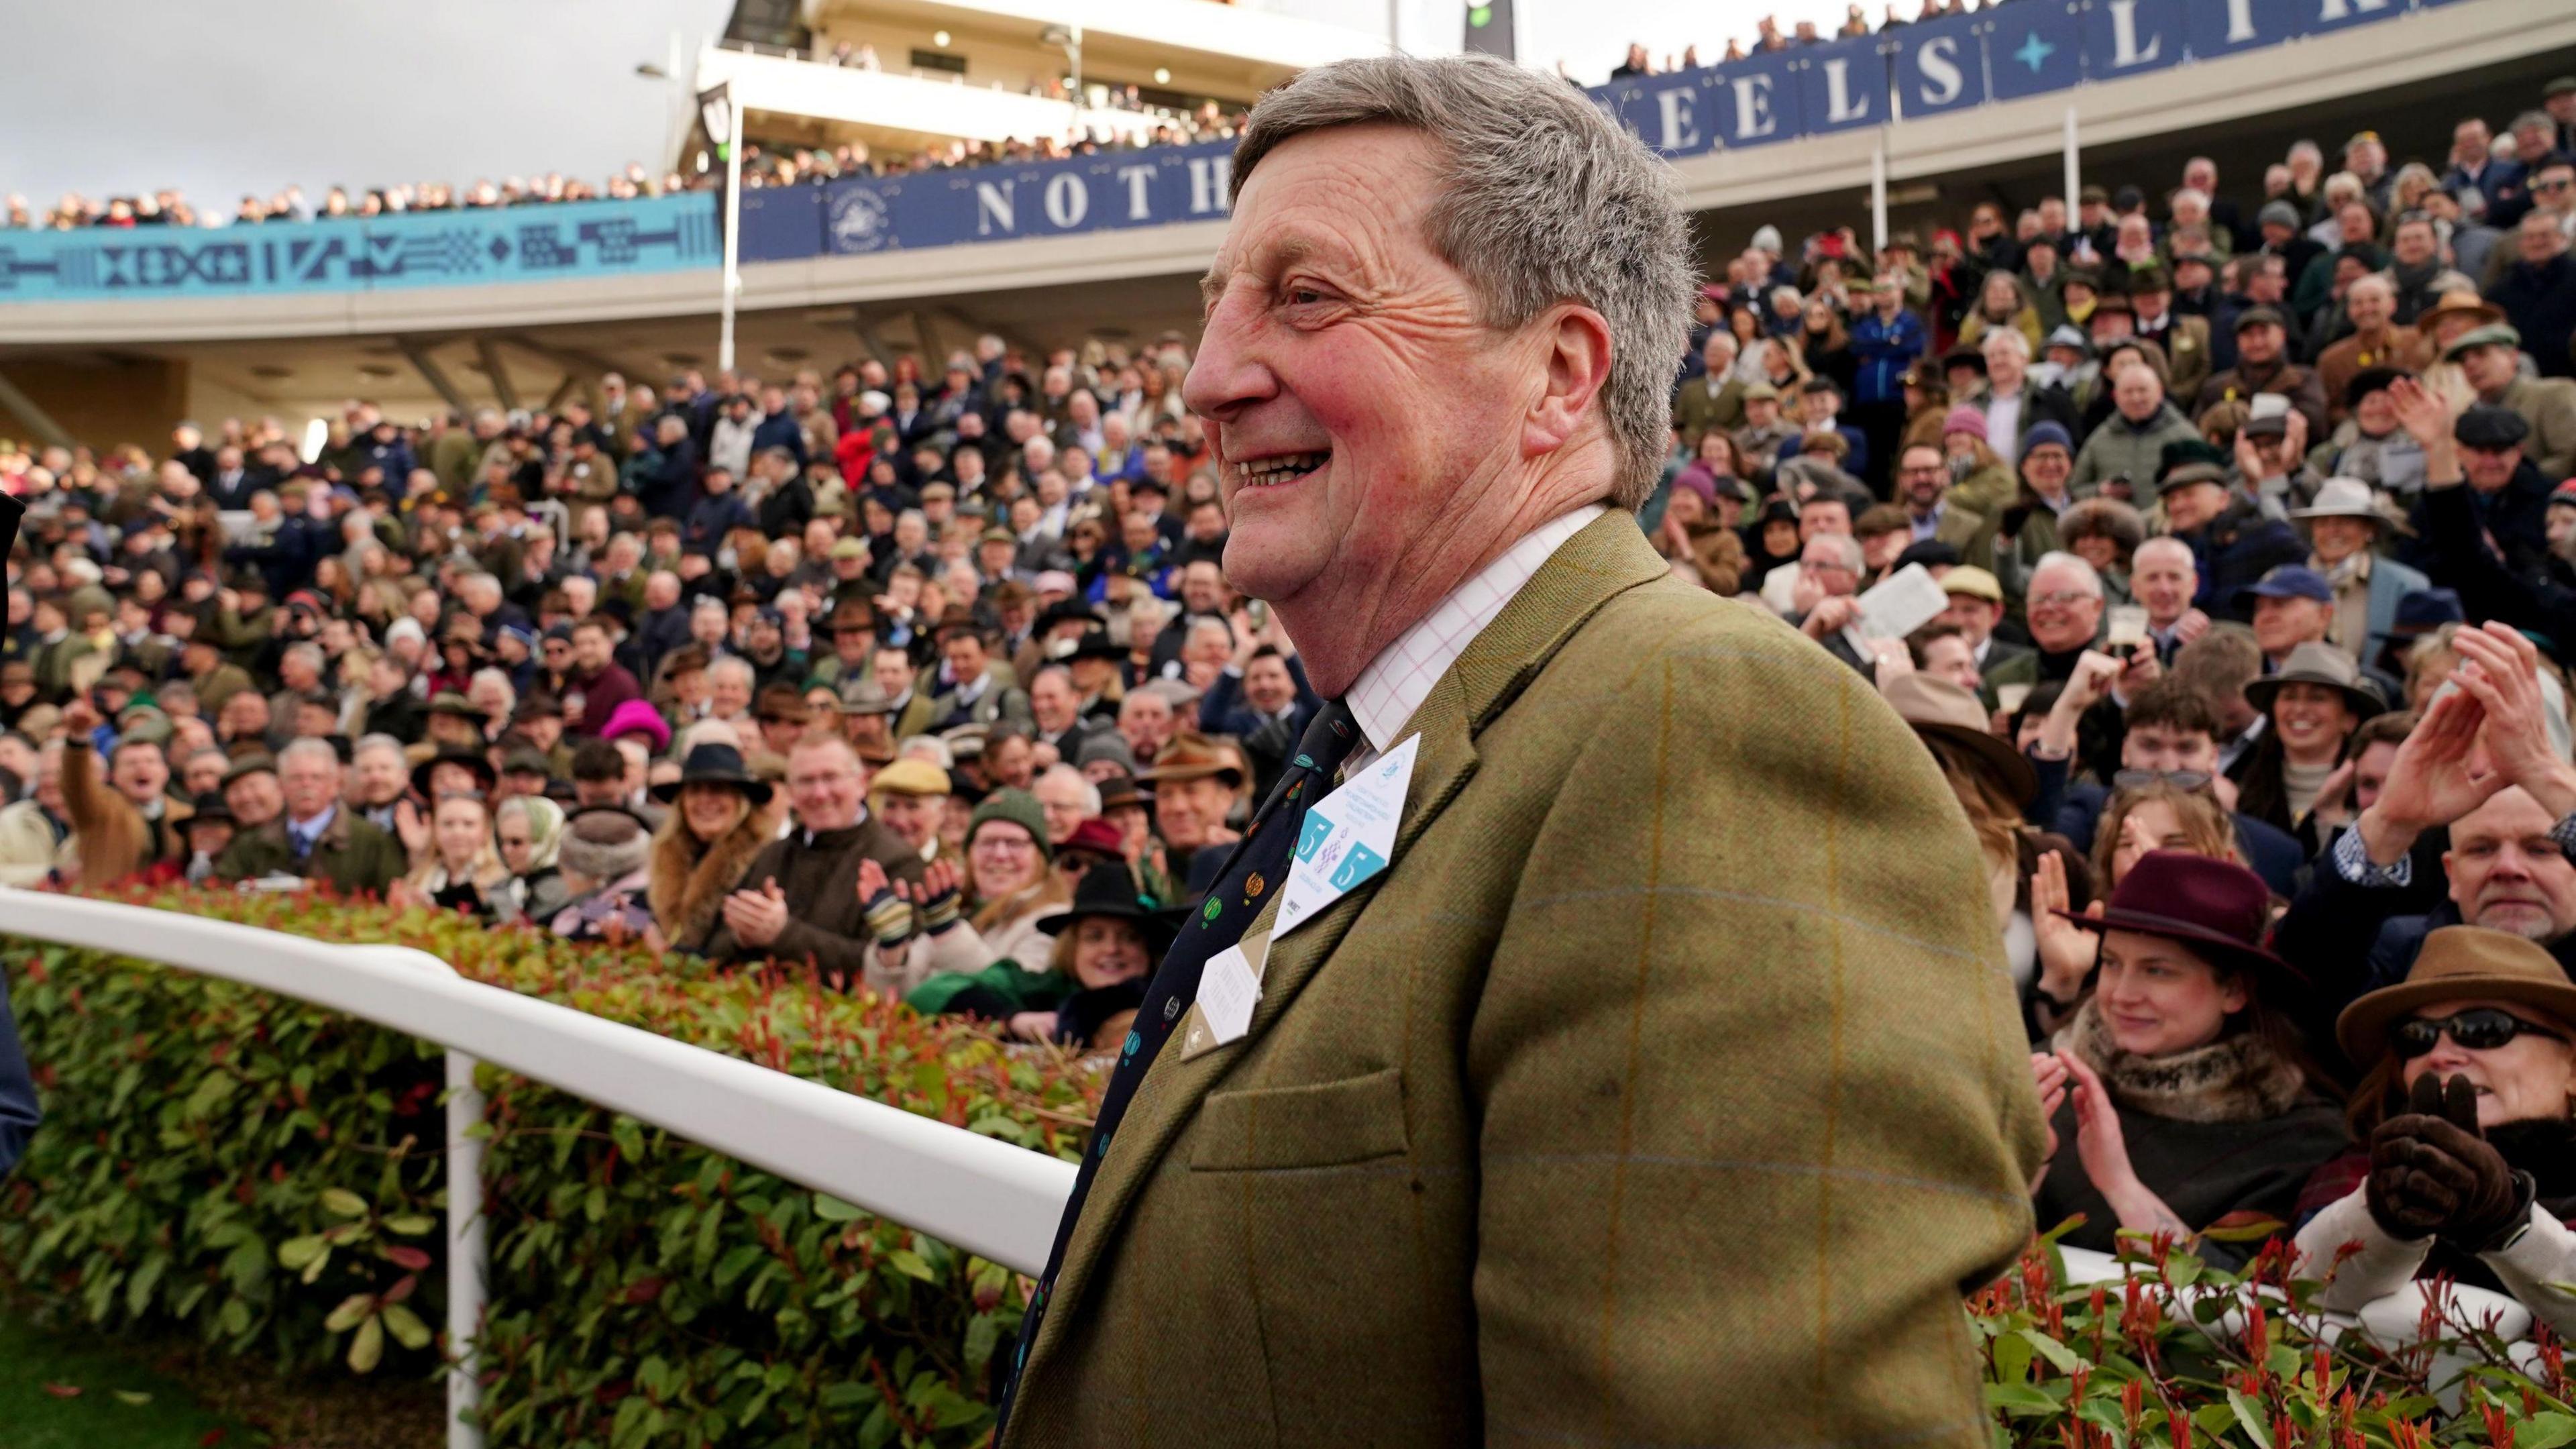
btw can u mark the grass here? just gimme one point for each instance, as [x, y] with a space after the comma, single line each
[121, 1403]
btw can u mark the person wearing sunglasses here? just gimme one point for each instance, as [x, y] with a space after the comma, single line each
[2178, 1094]
[2463, 1109]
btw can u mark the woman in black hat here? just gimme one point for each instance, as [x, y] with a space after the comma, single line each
[725, 815]
[2176, 1096]
[2468, 1162]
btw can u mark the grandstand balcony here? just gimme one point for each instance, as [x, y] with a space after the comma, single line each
[916, 73]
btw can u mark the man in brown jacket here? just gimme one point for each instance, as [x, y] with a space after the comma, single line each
[1622, 1097]
[799, 900]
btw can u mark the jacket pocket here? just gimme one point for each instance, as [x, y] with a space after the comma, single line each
[1317, 1124]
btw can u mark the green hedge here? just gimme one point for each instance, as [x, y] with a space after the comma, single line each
[266, 1176]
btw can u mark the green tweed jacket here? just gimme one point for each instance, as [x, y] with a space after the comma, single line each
[1667, 1088]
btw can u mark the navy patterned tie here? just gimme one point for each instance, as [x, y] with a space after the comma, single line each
[1259, 864]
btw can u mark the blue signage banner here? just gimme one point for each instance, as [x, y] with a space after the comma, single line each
[1940, 66]
[1759, 100]
[2034, 48]
[2131, 37]
[1111, 192]
[781, 223]
[1677, 115]
[1843, 85]
[429, 249]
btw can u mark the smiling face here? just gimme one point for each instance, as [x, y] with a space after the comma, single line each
[1368, 426]
[2160, 997]
[1106, 951]
[2527, 1079]
[2313, 720]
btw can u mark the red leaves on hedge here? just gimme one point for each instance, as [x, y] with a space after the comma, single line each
[64, 1391]
[403, 1257]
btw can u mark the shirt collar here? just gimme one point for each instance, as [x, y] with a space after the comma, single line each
[1395, 683]
[312, 829]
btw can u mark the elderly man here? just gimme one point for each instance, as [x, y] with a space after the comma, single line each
[1435, 373]
[2014, 403]
[2376, 341]
[2163, 578]
[2130, 443]
[2501, 514]
[2263, 365]
[2490, 358]
[2065, 608]
[2480, 764]
[2344, 530]
[2537, 292]
[2290, 606]
[317, 835]
[1715, 398]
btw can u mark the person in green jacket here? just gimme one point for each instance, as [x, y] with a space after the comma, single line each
[1106, 945]
[316, 836]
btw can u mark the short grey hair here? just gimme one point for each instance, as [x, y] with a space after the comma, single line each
[1544, 199]
[2006, 339]
[2085, 574]
[309, 747]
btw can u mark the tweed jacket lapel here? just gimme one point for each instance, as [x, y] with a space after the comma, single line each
[1606, 558]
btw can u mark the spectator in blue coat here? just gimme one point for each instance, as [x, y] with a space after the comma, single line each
[386, 448]
[778, 427]
[664, 478]
[1885, 341]
[718, 511]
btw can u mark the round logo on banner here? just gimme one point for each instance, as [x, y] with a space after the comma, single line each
[859, 221]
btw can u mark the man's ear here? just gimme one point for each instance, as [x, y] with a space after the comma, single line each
[1577, 366]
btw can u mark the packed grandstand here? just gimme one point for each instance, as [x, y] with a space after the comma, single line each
[2197, 521]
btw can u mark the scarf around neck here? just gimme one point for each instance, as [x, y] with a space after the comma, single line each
[2236, 1078]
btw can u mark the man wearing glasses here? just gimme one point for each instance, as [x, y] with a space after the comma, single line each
[2472, 827]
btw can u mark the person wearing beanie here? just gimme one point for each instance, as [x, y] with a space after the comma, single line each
[971, 911]
[605, 853]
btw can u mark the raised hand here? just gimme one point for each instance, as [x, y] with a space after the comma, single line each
[2066, 950]
[2432, 782]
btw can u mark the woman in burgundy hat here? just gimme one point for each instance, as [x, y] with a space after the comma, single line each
[2176, 1096]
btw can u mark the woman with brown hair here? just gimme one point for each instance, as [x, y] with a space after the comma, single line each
[724, 816]
[2158, 814]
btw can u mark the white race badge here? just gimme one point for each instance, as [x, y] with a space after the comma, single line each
[1228, 991]
[1347, 838]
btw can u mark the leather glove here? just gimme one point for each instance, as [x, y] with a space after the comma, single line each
[2432, 1171]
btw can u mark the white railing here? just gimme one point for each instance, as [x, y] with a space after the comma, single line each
[988, 1197]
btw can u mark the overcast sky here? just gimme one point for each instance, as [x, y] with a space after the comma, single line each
[224, 97]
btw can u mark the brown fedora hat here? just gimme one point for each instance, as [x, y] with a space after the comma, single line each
[2459, 963]
[1940, 710]
[1193, 756]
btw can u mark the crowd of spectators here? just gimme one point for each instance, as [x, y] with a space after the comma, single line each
[2220, 548]
[1768, 36]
